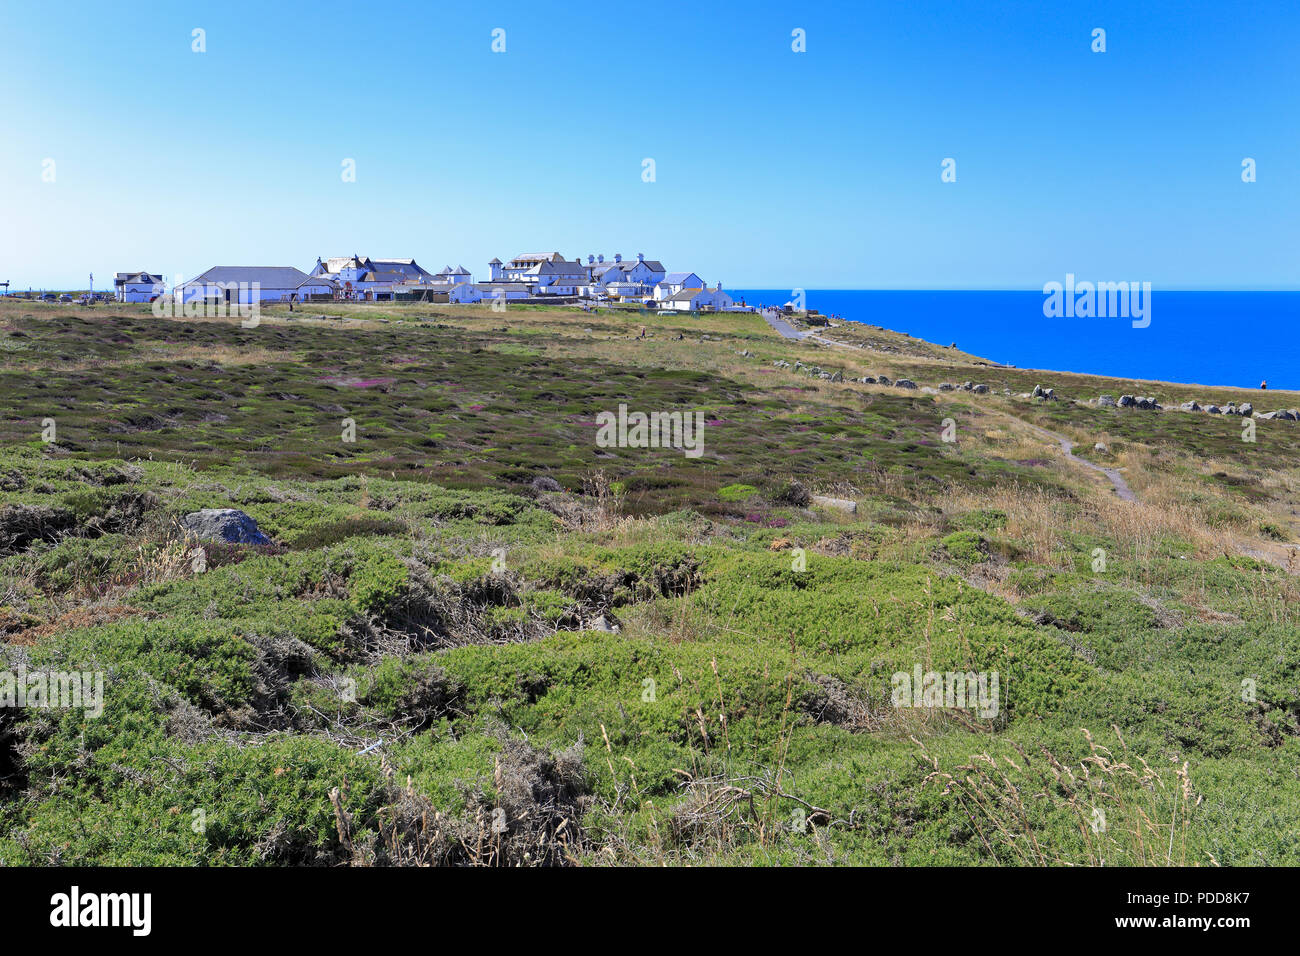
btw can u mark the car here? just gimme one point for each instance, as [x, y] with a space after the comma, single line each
[65, 297]
[48, 297]
[667, 312]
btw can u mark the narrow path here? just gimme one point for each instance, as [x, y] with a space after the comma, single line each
[1121, 486]
[1067, 446]
[786, 330]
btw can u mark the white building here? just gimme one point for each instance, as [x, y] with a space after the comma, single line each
[138, 286]
[243, 285]
[518, 268]
[361, 277]
[488, 291]
[644, 273]
[698, 300]
[675, 282]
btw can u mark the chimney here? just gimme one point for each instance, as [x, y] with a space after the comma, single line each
[640, 257]
[601, 257]
[590, 259]
[718, 288]
[618, 257]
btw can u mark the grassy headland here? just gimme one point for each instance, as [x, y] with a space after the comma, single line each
[444, 659]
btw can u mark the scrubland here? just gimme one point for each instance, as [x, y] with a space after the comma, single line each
[479, 638]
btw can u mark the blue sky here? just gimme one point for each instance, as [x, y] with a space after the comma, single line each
[774, 169]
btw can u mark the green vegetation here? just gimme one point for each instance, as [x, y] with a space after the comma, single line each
[442, 659]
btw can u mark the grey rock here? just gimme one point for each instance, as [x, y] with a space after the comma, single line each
[545, 483]
[1190, 407]
[883, 380]
[843, 504]
[980, 389]
[1214, 409]
[905, 383]
[1106, 401]
[1127, 400]
[1247, 408]
[224, 524]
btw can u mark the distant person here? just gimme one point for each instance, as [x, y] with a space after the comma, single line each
[1263, 384]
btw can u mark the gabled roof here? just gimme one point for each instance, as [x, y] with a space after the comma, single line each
[685, 295]
[537, 257]
[677, 278]
[268, 277]
[339, 263]
[141, 277]
[407, 267]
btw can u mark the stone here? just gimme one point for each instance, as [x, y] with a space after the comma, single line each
[905, 383]
[1037, 392]
[1100, 446]
[1106, 401]
[545, 483]
[980, 389]
[1190, 406]
[1247, 408]
[1126, 400]
[224, 524]
[882, 380]
[843, 504]
[1213, 409]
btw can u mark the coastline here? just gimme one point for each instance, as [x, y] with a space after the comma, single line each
[1206, 339]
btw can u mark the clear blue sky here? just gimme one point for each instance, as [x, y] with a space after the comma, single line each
[774, 169]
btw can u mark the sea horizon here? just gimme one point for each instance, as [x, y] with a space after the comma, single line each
[1222, 338]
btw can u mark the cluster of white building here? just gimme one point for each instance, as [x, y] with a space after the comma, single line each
[539, 277]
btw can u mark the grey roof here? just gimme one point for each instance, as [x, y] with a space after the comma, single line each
[536, 256]
[408, 267]
[269, 277]
[125, 277]
[677, 278]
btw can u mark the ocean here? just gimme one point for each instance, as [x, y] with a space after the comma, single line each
[1208, 338]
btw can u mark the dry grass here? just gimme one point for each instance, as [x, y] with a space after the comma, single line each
[1127, 814]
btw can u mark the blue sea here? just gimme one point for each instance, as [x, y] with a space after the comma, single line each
[1208, 338]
